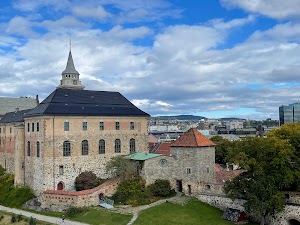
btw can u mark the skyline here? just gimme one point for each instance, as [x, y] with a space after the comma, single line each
[226, 58]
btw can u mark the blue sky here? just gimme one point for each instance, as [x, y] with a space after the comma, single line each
[226, 58]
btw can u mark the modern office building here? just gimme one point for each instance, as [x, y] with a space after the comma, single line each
[289, 113]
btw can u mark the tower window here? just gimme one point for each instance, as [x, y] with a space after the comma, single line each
[188, 170]
[117, 146]
[131, 125]
[66, 148]
[117, 125]
[32, 127]
[84, 147]
[38, 149]
[61, 170]
[132, 146]
[28, 127]
[101, 125]
[101, 146]
[84, 125]
[66, 126]
[37, 126]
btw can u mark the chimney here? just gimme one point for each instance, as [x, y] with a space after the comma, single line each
[37, 99]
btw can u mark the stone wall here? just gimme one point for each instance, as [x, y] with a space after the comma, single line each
[54, 200]
[51, 168]
[222, 202]
[7, 147]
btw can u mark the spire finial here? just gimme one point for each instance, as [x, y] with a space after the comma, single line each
[70, 42]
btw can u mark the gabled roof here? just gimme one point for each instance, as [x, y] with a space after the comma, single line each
[13, 117]
[192, 138]
[162, 148]
[223, 175]
[86, 103]
[11, 104]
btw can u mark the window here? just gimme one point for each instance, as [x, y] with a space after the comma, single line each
[28, 148]
[131, 125]
[188, 170]
[132, 146]
[61, 170]
[101, 146]
[207, 169]
[84, 125]
[101, 125]
[32, 128]
[66, 126]
[0, 130]
[28, 127]
[117, 125]
[38, 149]
[10, 130]
[66, 148]
[117, 146]
[37, 126]
[84, 147]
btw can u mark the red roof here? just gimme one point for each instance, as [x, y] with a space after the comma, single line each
[163, 148]
[223, 175]
[192, 138]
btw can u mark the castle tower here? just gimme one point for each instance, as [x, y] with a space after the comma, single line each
[70, 76]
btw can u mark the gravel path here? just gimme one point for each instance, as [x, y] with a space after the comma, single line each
[49, 219]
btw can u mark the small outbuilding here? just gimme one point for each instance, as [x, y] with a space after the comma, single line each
[235, 215]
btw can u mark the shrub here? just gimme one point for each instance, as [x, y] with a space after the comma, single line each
[74, 211]
[13, 218]
[1, 217]
[86, 180]
[32, 221]
[160, 188]
[129, 190]
[19, 217]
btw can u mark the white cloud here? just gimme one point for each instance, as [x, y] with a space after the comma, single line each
[21, 26]
[91, 12]
[277, 9]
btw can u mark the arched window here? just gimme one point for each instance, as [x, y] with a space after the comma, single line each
[28, 148]
[37, 149]
[84, 147]
[117, 146]
[132, 145]
[66, 148]
[101, 146]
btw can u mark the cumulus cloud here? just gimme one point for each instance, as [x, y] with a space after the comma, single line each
[272, 8]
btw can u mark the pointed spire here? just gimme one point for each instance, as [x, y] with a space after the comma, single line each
[70, 76]
[70, 68]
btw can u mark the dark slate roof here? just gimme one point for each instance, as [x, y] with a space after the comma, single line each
[86, 103]
[12, 117]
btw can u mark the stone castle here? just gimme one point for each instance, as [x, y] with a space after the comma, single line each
[71, 131]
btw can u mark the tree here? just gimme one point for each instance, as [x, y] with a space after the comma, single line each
[268, 171]
[86, 180]
[121, 167]
[222, 148]
[160, 188]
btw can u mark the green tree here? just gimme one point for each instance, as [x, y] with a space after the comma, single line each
[160, 188]
[268, 171]
[86, 180]
[222, 148]
[121, 167]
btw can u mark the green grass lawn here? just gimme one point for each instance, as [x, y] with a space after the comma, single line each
[193, 213]
[100, 216]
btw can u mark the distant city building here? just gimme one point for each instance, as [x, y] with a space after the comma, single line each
[289, 113]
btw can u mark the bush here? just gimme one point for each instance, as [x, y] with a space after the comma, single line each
[32, 221]
[86, 180]
[1, 217]
[160, 188]
[74, 211]
[13, 218]
[19, 217]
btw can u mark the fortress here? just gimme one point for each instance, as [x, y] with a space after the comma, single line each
[71, 131]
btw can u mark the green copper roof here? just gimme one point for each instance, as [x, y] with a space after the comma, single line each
[142, 156]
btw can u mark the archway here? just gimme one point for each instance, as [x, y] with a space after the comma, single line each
[294, 222]
[60, 186]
